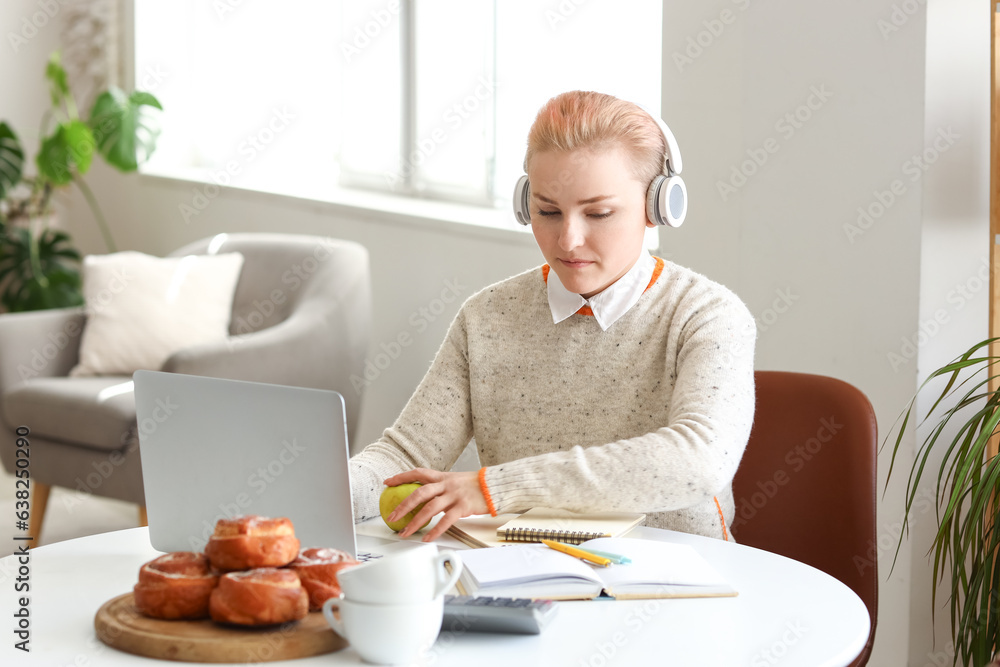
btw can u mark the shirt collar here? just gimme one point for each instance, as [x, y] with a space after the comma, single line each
[609, 305]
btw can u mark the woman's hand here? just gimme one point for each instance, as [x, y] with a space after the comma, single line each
[457, 494]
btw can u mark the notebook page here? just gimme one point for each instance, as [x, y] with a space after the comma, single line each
[521, 563]
[655, 563]
[480, 530]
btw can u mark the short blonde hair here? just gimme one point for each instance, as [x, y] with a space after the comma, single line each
[585, 119]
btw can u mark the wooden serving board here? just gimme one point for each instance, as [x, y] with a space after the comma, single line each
[120, 625]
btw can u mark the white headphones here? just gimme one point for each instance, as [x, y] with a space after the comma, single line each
[666, 197]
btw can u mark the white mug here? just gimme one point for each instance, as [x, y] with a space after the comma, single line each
[387, 634]
[413, 575]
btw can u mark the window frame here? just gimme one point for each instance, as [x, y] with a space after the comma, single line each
[489, 216]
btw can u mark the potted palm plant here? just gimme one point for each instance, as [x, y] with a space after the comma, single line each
[961, 421]
[38, 263]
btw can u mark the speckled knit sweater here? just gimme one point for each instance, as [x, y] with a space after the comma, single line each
[650, 416]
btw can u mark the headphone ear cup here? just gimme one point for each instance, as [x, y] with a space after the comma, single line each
[652, 196]
[674, 199]
[666, 201]
[522, 197]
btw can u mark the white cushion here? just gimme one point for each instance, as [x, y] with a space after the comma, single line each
[141, 309]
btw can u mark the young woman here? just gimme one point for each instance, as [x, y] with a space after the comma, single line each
[605, 380]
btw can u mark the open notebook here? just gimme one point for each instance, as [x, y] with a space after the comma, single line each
[539, 524]
[658, 570]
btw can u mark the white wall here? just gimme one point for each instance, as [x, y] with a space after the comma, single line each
[24, 51]
[954, 282]
[860, 303]
[829, 299]
[825, 304]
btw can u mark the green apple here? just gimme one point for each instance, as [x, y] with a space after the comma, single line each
[393, 496]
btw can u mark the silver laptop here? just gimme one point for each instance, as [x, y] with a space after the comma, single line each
[214, 448]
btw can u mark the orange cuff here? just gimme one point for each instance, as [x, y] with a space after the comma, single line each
[486, 492]
[722, 518]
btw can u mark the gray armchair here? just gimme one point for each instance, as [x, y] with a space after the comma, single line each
[301, 316]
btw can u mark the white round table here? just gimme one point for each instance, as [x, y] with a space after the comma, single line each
[787, 613]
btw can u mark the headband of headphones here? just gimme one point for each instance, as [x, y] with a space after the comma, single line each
[666, 196]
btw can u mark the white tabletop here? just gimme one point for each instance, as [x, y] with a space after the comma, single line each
[786, 613]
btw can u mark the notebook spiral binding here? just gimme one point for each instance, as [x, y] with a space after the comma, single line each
[539, 534]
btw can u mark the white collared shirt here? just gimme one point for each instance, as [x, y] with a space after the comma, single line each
[608, 305]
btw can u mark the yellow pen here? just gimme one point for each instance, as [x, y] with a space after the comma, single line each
[578, 553]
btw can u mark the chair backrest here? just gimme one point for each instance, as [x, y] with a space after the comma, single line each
[806, 487]
[278, 272]
[316, 285]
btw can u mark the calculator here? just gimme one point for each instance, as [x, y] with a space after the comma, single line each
[465, 613]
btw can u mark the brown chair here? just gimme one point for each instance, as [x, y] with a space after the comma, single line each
[806, 487]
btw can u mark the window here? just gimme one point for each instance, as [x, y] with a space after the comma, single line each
[427, 99]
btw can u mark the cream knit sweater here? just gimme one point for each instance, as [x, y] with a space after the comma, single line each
[650, 416]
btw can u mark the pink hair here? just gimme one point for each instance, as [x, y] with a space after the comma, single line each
[585, 119]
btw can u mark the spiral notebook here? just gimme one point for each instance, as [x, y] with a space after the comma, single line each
[539, 524]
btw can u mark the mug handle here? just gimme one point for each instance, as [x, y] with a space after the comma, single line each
[455, 561]
[335, 623]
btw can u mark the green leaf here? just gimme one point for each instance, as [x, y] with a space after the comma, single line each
[963, 417]
[69, 149]
[11, 159]
[142, 98]
[51, 282]
[58, 81]
[125, 132]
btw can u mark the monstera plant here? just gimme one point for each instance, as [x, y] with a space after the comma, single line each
[38, 263]
[960, 424]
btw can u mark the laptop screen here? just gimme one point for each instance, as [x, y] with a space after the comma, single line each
[214, 448]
